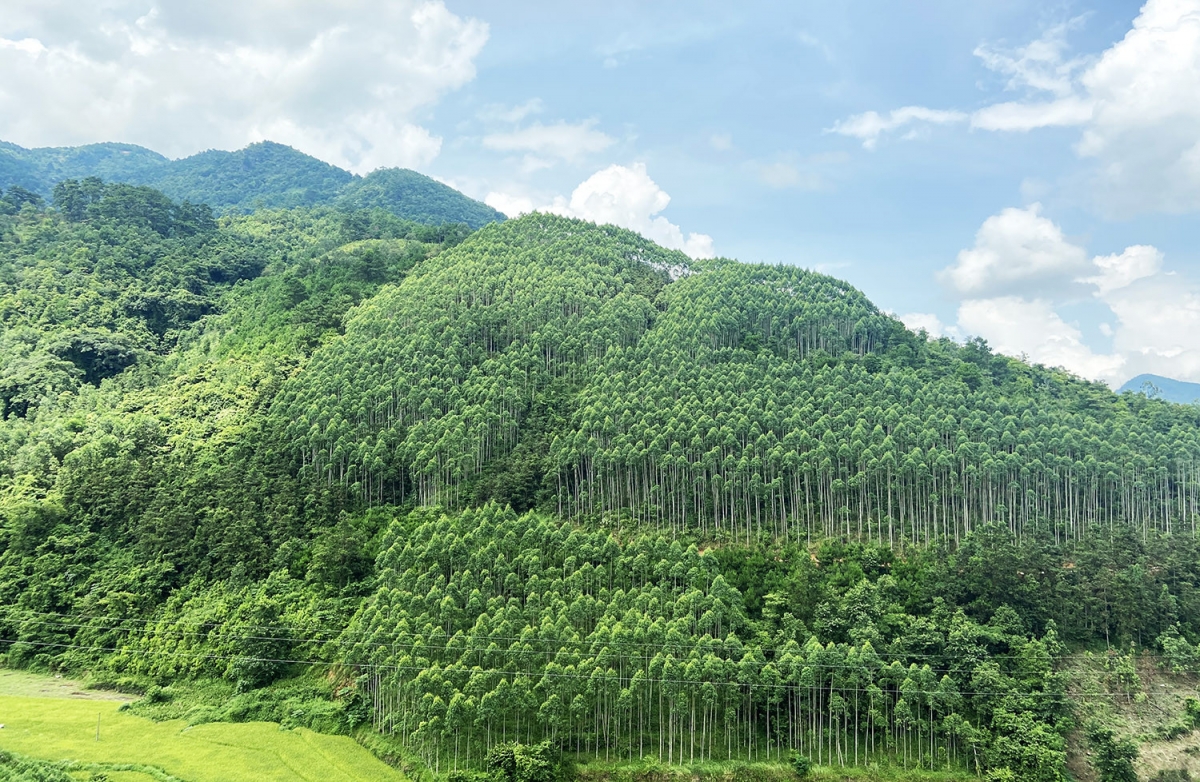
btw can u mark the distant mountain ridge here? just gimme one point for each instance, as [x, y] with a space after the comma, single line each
[263, 175]
[1159, 387]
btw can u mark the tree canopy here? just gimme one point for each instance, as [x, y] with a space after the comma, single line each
[264, 175]
[547, 489]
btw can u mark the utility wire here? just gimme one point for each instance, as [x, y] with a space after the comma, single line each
[88, 622]
[535, 676]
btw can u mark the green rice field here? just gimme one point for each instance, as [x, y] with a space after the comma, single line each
[54, 720]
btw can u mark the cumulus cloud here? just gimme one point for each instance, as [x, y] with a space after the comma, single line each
[1145, 132]
[1123, 269]
[625, 196]
[1021, 269]
[511, 205]
[1017, 250]
[1031, 328]
[1136, 103]
[928, 322]
[560, 141]
[870, 125]
[341, 81]
[1158, 325]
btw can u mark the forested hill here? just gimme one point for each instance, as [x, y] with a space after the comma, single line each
[263, 175]
[550, 481]
[551, 364]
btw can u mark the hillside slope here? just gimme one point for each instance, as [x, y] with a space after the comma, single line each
[263, 175]
[550, 481]
[415, 197]
[734, 400]
[40, 169]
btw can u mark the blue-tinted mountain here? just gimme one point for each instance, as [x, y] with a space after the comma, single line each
[40, 169]
[1159, 387]
[263, 175]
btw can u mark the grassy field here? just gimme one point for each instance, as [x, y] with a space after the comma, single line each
[60, 727]
[56, 719]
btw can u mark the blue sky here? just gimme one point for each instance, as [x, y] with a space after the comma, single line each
[1027, 172]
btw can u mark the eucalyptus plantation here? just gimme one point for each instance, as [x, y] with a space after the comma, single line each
[546, 492]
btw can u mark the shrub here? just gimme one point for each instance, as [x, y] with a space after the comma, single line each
[156, 694]
[1172, 775]
[514, 762]
[801, 764]
[1113, 756]
[1191, 711]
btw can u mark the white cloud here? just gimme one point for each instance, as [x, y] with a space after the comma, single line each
[1135, 103]
[624, 196]
[511, 114]
[1022, 268]
[1039, 65]
[363, 142]
[343, 81]
[722, 142]
[628, 197]
[1123, 269]
[1036, 68]
[510, 205]
[1017, 326]
[1018, 116]
[561, 141]
[870, 125]
[916, 321]
[1016, 250]
[1158, 325]
[1145, 133]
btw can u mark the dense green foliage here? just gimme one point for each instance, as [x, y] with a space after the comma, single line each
[83, 297]
[488, 625]
[40, 169]
[136, 425]
[415, 197]
[735, 401]
[263, 175]
[1114, 757]
[550, 482]
[14, 768]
